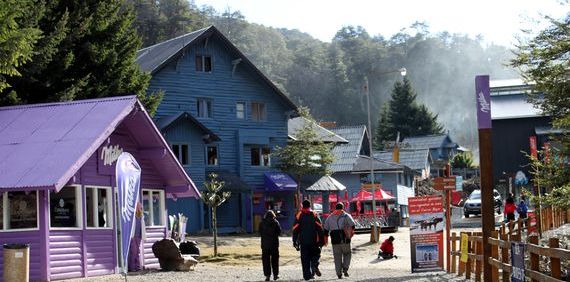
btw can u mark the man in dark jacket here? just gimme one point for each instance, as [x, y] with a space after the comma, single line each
[308, 236]
[269, 229]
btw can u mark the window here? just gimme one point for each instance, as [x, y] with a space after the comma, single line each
[18, 210]
[153, 207]
[260, 156]
[181, 153]
[212, 155]
[204, 63]
[204, 108]
[97, 202]
[257, 111]
[65, 208]
[240, 110]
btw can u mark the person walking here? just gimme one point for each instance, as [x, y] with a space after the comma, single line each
[510, 208]
[269, 229]
[522, 209]
[308, 237]
[340, 226]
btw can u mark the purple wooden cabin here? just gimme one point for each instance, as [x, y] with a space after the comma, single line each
[57, 185]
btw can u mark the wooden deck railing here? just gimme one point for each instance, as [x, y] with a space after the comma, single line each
[500, 242]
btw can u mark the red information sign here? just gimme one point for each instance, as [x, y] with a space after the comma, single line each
[426, 233]
[533, 147]
[444, 183]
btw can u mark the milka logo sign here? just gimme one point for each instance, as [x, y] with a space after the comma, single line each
[109, 154]
[484, 106]
[128, 209]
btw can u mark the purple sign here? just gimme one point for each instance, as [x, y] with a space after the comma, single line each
[128, 174]
[483, 99]
[517, 261]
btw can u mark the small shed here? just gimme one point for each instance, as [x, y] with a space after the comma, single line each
[58, 191]
[326, 185]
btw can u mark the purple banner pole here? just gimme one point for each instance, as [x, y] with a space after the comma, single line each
[128, 174]
[483, 101]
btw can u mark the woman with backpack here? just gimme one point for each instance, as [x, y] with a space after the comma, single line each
[510, 208]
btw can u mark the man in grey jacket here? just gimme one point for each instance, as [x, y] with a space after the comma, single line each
[340, 226]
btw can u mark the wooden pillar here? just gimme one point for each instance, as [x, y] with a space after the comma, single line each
[495, 255]
[478, 263]
[461, 268]
[534, 258]
[555, 262]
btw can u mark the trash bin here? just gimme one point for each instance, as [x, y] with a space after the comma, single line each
[17, 262]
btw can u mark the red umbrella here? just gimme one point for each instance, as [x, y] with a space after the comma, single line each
[364, 195]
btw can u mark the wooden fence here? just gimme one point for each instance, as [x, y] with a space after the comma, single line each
[500, 242]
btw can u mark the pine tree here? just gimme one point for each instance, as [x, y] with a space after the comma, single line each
[404, 115]
[87, 50]
[17, 41]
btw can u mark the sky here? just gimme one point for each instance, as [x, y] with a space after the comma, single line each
[498, 21]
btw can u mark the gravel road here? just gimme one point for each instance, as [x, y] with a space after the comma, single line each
[364, 266]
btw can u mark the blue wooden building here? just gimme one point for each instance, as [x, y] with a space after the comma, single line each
[221, 114]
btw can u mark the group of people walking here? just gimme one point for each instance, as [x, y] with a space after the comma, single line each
[309, 236]
[511, 207]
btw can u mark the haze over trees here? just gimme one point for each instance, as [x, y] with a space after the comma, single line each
[328, 76]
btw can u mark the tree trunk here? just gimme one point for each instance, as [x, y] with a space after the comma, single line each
[215, 228]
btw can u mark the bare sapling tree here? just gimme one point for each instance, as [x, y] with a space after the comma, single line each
[213, 196]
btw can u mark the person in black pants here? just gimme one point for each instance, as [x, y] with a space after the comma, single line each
[269, 229]
[308, 237]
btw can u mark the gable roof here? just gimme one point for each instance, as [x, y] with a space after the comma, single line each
[42, 146]
[326, 184]
[414, 159]
[155, 57]
[363, 164]
[345, 155]
[165, 122]
[327, 136]
[430, 141]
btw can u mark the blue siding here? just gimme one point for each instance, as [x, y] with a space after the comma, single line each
[183, 86]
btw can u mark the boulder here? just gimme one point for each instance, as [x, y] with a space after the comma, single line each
[170, 258]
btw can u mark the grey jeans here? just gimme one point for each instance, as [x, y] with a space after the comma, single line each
[342, 255]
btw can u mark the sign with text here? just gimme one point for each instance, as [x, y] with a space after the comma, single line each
[368, 186]
[483, 98]
[458, 183]
[426, 233]
[444, 183]
[517, 261]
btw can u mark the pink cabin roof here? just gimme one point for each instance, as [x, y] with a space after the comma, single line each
[42, 146]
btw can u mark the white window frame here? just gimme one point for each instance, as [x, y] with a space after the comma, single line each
[151, 210]
[217, 155]
[261, 116]
[180, 151]
[78, 210]
[6, 217]
[207, 112]
[94, 201]
[243, 111]
[260, 152]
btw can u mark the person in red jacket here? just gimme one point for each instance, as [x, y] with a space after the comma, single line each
[387, 249]
[510, 208]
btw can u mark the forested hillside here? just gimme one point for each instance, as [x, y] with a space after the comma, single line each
[328, 76]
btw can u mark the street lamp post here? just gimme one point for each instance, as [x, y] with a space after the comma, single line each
[403, 72]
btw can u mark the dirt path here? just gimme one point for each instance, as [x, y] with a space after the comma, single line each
[244, 263]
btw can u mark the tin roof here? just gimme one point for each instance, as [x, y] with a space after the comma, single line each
[512, 106]
[326, 184]
[295, 124]
[345, 155]
[363, 164]
[429, 141]
[42, 146]
[414, 159]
